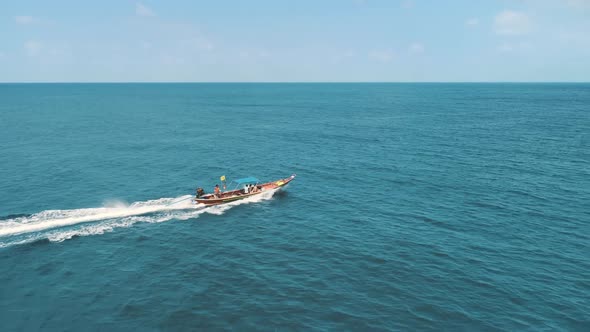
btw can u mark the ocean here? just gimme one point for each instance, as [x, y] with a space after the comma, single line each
[416, 207]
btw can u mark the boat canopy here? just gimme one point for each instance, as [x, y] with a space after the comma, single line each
[247, 180]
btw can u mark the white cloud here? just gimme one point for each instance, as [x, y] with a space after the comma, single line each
[255, 53]
[472, 22]
[578, 3]
[24, 19]
[32, 48]
[575, 38]
[206, 45]
[145, 45]
[407, 4]
[172, 60]
[382, 55]
[195, 44]
[342, 56]
[514, 47]
[416, 48]
[511, 22]
[506, 47]
[263, 54]
[349, 54]
[59, 51]
[143, 10]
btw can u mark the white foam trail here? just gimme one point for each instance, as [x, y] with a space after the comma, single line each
[60, 218]
[47, 224]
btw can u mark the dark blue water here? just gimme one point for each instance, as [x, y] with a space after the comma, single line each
[415, 207]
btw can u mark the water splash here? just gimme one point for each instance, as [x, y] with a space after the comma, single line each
[61, 225]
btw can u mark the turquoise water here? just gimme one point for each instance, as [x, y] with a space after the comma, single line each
[415, 207]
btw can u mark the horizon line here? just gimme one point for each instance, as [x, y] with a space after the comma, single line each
[295, 82]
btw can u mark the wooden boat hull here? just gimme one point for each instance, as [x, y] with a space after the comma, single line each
[236, 195]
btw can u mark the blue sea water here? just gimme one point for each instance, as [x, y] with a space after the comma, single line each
[458, 207]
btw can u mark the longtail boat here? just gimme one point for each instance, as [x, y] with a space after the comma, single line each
[244, 188]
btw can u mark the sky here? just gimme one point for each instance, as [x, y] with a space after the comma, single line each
[295, 41]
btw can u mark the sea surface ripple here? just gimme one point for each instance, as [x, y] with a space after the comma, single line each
[416, 207]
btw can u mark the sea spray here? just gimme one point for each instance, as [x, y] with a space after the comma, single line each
[60, 225]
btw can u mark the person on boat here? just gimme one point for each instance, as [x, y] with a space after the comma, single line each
[217, 191]
[200, 192]
[255, 189]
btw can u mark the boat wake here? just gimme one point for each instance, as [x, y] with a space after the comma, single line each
[60, 225]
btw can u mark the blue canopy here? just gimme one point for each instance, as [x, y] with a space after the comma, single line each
[247, 180]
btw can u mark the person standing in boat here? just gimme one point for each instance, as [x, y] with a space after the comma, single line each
[217, 191]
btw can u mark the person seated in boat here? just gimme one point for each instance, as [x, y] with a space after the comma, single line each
[255, 189]
[200, 192]
[217, 191]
